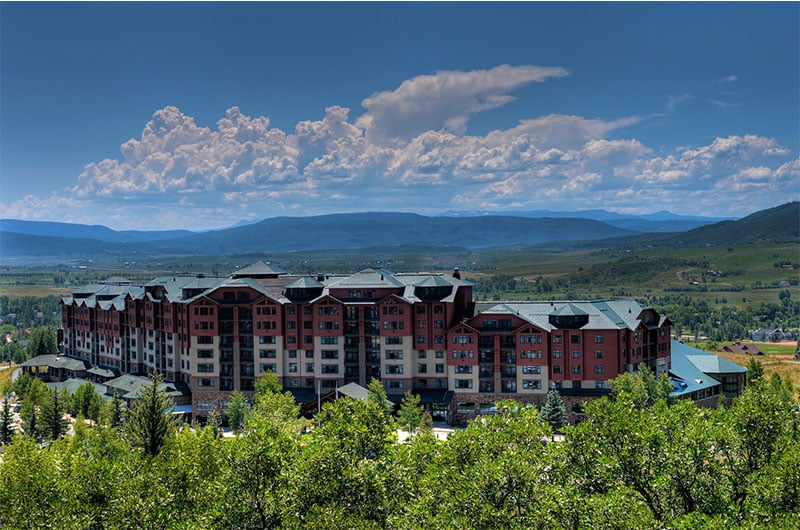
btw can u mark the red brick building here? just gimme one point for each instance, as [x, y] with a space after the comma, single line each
[419, 332]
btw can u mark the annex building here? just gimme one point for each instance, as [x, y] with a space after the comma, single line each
[418, 332]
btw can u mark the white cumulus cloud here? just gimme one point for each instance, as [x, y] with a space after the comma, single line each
[445, 100]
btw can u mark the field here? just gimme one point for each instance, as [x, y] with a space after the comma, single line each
[777, 358]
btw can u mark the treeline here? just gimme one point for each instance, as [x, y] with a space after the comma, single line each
[25, 311]
[27, 343]
[631, 464]
[696, 317]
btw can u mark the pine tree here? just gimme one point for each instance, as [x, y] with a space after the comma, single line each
[554, 411]
[30, 418]
[150, 422]
[117, 412]
[6, 420]
[53, 423]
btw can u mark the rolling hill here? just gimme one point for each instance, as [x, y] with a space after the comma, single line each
[386, 230]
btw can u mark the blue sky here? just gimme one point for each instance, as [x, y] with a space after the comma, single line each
[157, 116]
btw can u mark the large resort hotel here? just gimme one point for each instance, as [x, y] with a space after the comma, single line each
[417, 332]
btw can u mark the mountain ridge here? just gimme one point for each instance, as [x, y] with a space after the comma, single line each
[350, 231]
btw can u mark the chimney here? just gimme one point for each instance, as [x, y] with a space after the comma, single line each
[456, 274]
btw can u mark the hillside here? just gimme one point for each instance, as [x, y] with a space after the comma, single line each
[340, 232]
[19, 239]
[79, 231]
[781, 223]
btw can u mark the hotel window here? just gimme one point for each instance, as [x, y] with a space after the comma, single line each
[599, 369]
[598, 354]
[575, 339]
[598, 339]
[266, 354]
[309, 354]
[421, 354]
[557, 339]
[463, 369]
[576, 369]
[394, 369]
[439, 368]
[463, 383]
[576, 354]
[599, 384]
[293, 368]
[205, 367]
[293, 354]
[268, 368]
[310, 368]
[330, 354]
[557, 369]
[422, 368]
[394, 385]
[531, 384]
[556, 354]
[531, 369]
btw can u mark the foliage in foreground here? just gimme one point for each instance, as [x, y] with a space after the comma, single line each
[627, 466]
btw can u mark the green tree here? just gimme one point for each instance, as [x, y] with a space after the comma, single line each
[214, 422]
[150, 422]
[259, 463]
[237, 411]
[377, 395]
[6, 421]
[86, 402]
[115, 411]
[29, 414]
[410, 414]
[53, 423]
[755, 370]
[554, 411]
[42, 341]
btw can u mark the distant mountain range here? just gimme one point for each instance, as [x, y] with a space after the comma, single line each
[657, 222]
[386, 230]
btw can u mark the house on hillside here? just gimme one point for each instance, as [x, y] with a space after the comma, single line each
[738, 347]
[771, 335]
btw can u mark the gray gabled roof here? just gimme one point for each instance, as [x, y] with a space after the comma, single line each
[56, 361]
[368, 278]
[569, 310]
[306, 282]
[714, 364]
[435, 281]
[72, 384]
[258, 269]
